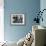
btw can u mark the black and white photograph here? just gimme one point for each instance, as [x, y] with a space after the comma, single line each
[17, 19]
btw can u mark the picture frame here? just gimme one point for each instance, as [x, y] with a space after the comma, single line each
[17, 19]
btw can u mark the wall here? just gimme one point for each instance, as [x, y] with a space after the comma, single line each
[1, 21]
[26, 7]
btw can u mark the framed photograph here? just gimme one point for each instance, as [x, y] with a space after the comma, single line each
[17, 19]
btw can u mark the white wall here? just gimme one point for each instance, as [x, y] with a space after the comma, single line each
[1, 20]
[43, 4]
